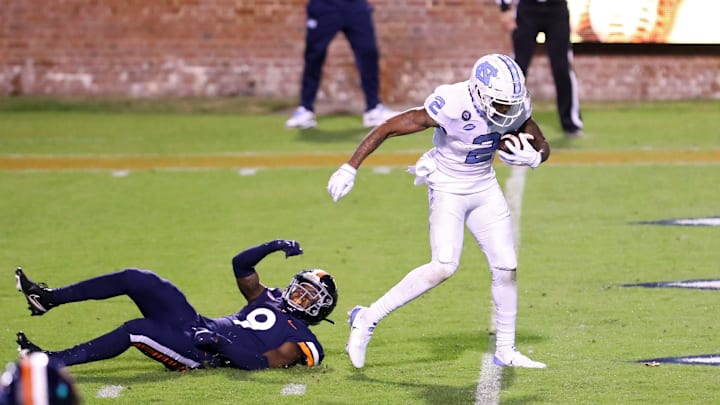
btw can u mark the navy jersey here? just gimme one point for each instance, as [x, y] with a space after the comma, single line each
[262, 325]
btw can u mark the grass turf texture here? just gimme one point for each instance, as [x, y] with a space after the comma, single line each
[578, 244]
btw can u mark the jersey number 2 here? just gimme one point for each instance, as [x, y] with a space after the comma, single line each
[488, 144]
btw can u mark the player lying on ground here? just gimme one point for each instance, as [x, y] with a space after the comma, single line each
[270, 331]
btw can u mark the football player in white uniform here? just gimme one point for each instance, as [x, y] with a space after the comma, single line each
[469, 118]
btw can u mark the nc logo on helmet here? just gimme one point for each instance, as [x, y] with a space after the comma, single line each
[484, 72]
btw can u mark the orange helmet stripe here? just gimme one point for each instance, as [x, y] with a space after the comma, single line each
[33, 378]
[26, 379]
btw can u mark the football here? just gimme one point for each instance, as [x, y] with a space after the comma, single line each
[510, 137]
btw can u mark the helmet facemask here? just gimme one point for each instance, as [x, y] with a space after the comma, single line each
[502, 112]
[311, 296]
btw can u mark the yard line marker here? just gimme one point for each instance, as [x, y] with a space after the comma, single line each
[250, 171]
[293, 389]
[488, 388]
[110, 391]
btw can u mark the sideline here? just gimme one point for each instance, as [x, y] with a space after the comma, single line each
[281, 160]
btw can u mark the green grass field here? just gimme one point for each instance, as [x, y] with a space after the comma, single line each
[579, 242]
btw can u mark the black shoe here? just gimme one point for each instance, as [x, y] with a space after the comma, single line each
[38, 296]
[26, 346]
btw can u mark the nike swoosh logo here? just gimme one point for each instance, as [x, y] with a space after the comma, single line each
[33, 298]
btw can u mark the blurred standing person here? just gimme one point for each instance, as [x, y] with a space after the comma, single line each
[525, 19]
[325, 18]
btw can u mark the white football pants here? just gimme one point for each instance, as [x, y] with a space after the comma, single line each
[487, 216]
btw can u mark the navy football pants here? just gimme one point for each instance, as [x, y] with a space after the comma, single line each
[164, 333]
[325, 18]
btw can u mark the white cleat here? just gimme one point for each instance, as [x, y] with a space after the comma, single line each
[302, 118]
[513, 358]
[377, 116]
[360, 335]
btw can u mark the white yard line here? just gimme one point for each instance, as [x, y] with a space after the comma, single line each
[488, 388]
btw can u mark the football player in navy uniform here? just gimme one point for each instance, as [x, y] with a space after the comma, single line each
[271, 331]
[468, 119]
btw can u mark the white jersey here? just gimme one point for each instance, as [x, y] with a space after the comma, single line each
[465, 142]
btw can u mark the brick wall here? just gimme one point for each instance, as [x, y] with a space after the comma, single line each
[151, 48]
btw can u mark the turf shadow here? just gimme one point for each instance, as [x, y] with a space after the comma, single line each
[428, 393]
[128, 376]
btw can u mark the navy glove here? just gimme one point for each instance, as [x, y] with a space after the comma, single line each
[204, 337]
[290, 247]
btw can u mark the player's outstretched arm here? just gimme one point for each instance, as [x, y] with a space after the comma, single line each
[243, 263]
[406, 123]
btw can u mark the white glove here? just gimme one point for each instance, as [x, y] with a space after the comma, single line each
[524, 156]
[341, 182]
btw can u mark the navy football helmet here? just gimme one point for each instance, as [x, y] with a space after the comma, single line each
[311, 296]
[36, 379]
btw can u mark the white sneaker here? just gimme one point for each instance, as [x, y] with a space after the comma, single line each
[360, 335]
[513, 358]
[377, 116]
[302, 118]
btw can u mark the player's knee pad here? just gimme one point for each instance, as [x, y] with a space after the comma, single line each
[503, 276]
[440, 271]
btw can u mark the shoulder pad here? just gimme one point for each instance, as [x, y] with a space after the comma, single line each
[455, 99]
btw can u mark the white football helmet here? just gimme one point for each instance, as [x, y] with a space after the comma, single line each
[497, 88]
